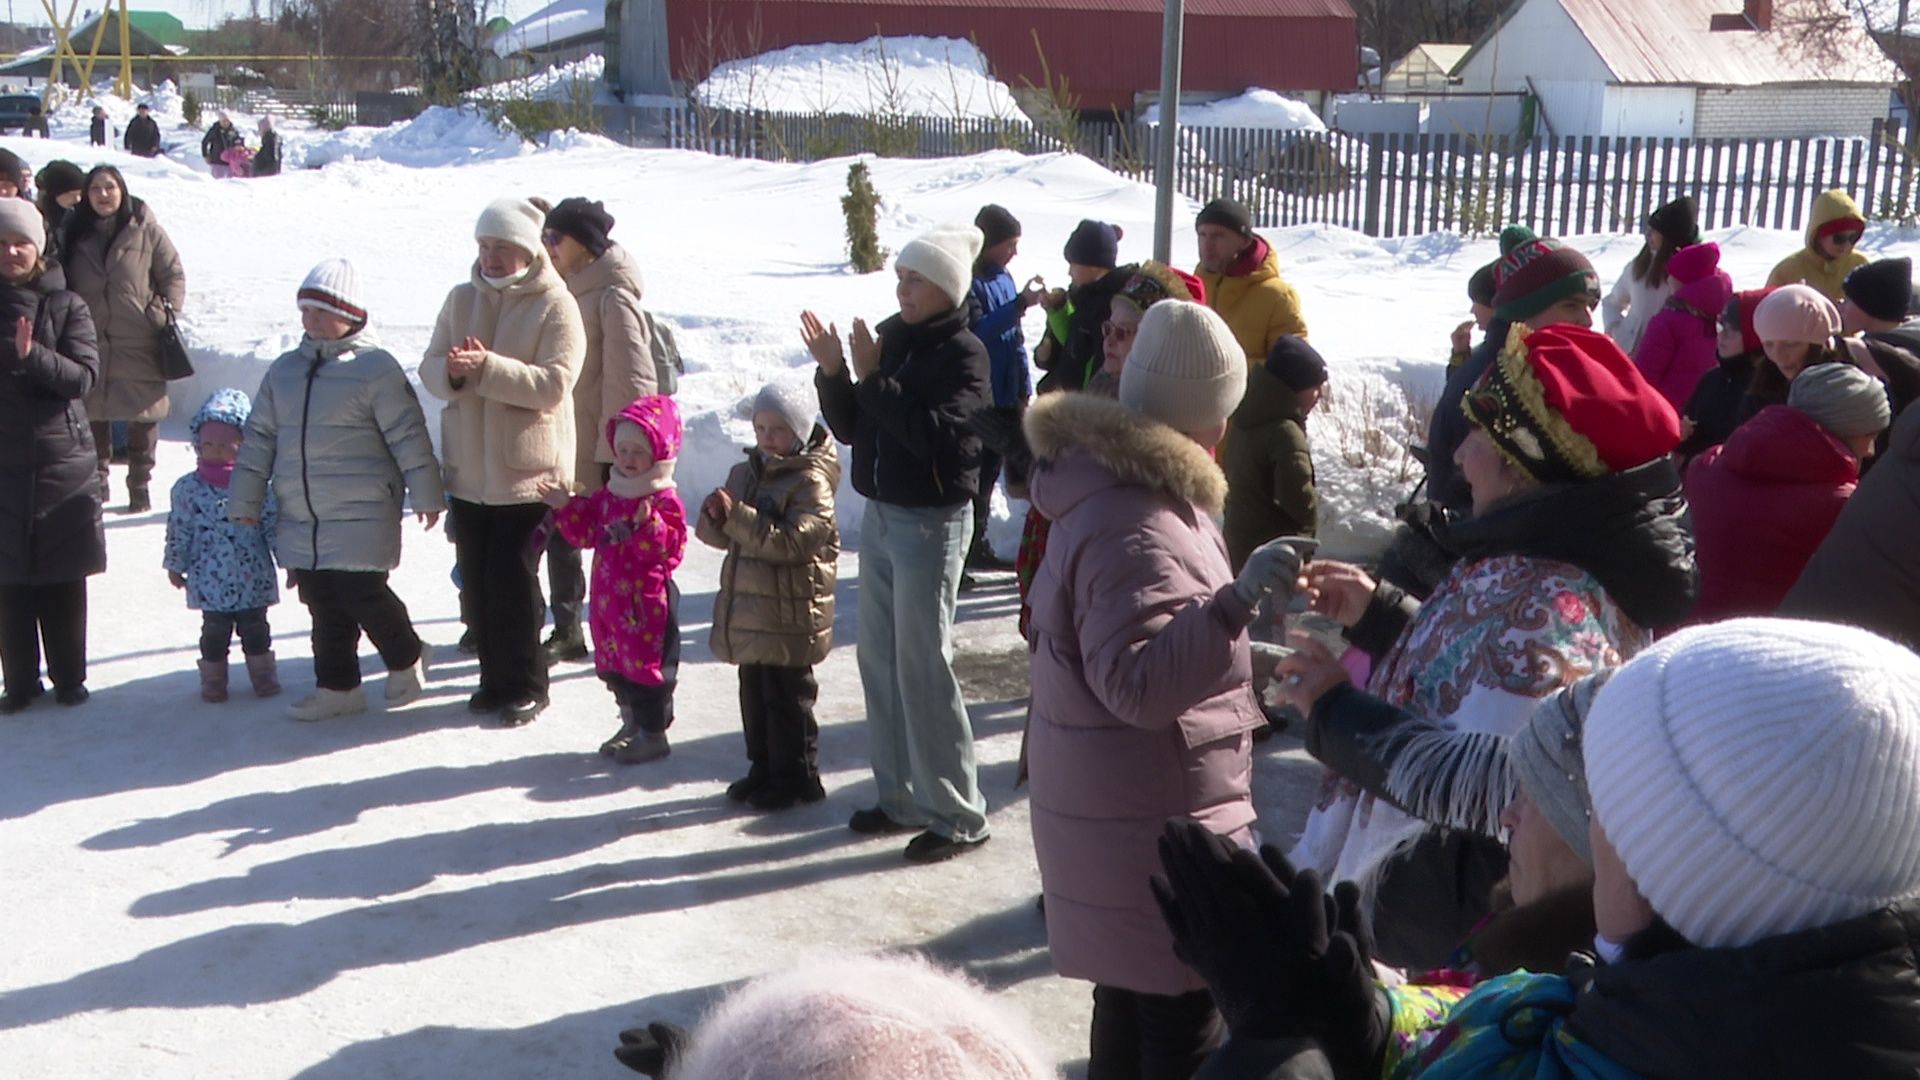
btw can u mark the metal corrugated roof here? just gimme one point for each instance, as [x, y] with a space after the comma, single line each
[1671, 42]
[1287, 9]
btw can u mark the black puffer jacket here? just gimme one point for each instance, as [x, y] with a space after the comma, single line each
[1631, 530]
[1841, 1001]
[909, 422]
[50, 528]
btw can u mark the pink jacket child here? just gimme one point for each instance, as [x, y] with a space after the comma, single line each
[1677, 347]
[1143, 707]
[637, 528]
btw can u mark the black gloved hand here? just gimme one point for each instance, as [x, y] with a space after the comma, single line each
[1258, 932]
[655, 1050]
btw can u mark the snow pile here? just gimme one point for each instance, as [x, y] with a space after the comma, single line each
[561, 82]
[894, 76]
[1256, 108]
[556, 22]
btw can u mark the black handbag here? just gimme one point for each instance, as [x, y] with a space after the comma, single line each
[175, 363]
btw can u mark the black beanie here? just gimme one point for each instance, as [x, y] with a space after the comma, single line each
[1228, 215]
[1882, 289]
[1094, 243]
[1296, 363]
[59, 177]
[1678, 221]
[1480, 286]
[587, 222]
[996, 225]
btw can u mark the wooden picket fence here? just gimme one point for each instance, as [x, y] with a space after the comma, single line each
[1392, 185]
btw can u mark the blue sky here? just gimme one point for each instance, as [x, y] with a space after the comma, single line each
[202, 13]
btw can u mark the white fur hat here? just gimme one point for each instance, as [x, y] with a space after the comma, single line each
[1186, 369]
[944, 256]
[864, 1018]
[1761, 776]
[516, 221]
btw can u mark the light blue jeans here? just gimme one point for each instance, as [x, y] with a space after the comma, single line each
[917, 728]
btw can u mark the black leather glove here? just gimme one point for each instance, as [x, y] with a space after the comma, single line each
[1259, 932]
[655, 1050]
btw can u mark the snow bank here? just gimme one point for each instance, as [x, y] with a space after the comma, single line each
[1256, 108]
[901, 76]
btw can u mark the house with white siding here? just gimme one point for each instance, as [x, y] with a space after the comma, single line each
[1684, 68]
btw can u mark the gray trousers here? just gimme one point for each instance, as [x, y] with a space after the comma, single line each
[918, 733]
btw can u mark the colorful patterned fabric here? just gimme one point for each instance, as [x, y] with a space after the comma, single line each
[1510, 1027]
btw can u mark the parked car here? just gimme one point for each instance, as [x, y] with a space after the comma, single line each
[16, 110]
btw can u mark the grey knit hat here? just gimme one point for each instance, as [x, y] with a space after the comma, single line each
[793, 402]
[1843, 399]
[1547, 761]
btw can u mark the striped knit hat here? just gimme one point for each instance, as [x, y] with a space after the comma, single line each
[334, 287]
[1534, 273]
[1760, 777]
[1565, 404]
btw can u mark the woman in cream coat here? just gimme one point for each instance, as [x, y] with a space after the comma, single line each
[504, 356]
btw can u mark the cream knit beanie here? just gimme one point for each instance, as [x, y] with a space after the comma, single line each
[944, 256]
[864, 1018]
[516, 221]
[1762, 776]
[1186, 369]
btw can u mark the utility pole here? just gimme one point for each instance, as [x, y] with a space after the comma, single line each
[1169, 156]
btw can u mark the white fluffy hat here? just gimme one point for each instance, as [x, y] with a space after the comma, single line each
[944, 256]
[864, 1018]
[1186, 369]
[1762, 776]
[516, 221]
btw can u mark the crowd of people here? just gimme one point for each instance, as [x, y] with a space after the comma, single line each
[1621, 739]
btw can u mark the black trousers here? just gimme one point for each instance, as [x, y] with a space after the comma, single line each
[217, 629]
[776, 711]
[652, 706]
[983, 501]
[566, 582]
[54, 615]
[501, 569]
[343, 603]
[143, 441]
[1139, 1036]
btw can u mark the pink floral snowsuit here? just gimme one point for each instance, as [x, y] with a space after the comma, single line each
[637, 543]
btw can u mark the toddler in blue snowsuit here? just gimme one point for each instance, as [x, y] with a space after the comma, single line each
[227, 569]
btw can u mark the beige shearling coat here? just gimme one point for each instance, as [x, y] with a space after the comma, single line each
[507, 430]
[618, 367]
[122, 276]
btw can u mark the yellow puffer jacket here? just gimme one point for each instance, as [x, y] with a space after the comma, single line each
[1259, 307]
[775, 604]
[1808, 265]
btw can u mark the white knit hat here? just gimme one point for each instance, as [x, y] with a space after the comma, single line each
[516, 221]
[864, 1018]
[1186, 369]
[944, 256]
[334, 287]
[22, 217]
[1762, 776]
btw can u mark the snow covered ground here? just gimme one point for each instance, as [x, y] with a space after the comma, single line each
[887, 76]
[213, 891]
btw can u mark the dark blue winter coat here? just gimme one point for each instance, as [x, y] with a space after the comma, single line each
[994, 303]
[228, 566]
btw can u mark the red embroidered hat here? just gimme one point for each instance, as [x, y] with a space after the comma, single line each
[1565, 404]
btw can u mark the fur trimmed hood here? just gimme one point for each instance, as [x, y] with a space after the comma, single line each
[1133, 448]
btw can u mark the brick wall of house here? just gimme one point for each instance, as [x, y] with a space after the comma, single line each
[1788, 112]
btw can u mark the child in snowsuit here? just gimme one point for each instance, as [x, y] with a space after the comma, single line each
[338, 430]
[226, 568]
[637, 529]
[774, 612]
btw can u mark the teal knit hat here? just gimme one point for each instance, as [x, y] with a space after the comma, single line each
[1534, 273]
